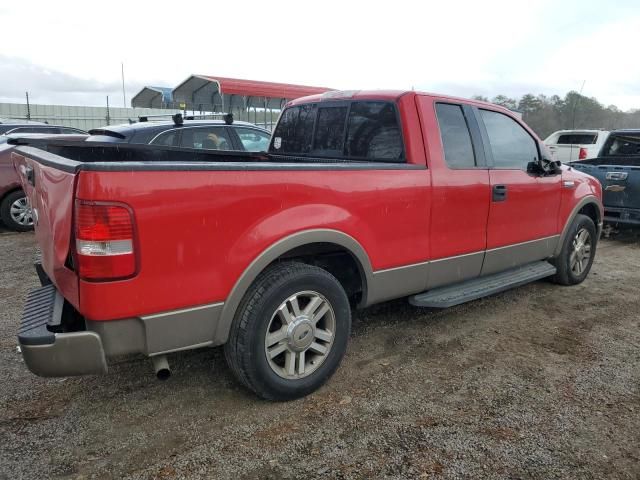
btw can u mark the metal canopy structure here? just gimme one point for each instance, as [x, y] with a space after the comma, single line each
[153, 97]
[207, 94]
[204, 92]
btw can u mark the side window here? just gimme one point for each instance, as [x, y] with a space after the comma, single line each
[329, 135]
[206, 138]
[456, 139]
[166, 139]
[512, 146]
[253, 140]
[373, 132]
[294, 131]
[72, 131]
[50, 130]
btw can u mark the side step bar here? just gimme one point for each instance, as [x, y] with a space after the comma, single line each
[468, 290]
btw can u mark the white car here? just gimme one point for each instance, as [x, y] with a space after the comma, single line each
[571, 145]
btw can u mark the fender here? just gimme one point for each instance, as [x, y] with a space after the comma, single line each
[589, 199]
[278, 249]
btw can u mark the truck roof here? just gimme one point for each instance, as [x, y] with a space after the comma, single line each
[387, 95]
[627, 130]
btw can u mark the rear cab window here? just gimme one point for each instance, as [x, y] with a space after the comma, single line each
[349, 130]
[577, 139]
[622, 144]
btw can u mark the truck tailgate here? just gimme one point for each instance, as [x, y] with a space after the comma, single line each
[51, 191]
[620, 183]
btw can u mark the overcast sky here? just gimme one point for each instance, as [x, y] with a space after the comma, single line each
[70, 52]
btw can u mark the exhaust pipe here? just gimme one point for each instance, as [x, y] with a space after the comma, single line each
[161, 367]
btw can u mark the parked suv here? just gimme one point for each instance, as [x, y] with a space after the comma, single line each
[187, 133]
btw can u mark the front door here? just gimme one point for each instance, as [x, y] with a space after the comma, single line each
[523, 213]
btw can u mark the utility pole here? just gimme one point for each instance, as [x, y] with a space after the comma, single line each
[124, 96]
[28, 106]
[108, 116]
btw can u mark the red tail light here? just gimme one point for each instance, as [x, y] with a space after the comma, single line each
[582, 155]
[104, 241]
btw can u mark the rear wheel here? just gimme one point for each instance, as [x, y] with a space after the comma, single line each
[578, 251]
[290, 332]
[15, 212]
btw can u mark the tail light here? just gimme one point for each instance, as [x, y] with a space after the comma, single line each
[104, 241]
[582, 155]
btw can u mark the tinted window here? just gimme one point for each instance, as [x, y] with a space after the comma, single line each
[206, 138]
[167, 139]
[253, 140]
[373, 132]
[511, 145]
[622, 144]
[294, 131]
[51, 130]
[577, 139]
[329, 136]
[72, 131]
[456, 140]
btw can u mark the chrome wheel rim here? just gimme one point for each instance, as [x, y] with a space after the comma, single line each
[300, 335]
[581, 252]
[20, 212]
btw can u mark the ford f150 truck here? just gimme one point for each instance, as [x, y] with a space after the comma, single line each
[618, 169]
[363, 197]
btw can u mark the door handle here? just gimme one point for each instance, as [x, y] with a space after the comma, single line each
[31, 178]
[499, 193]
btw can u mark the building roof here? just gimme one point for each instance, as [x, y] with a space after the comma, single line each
[222, 93]
[152, 97]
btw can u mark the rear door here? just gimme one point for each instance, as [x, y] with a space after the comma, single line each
[524, 208]
[51, 193]
[460, 191]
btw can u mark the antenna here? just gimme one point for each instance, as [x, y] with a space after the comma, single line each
[575, 105]
[124, 97]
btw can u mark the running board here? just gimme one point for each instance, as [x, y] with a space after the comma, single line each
[444, 297]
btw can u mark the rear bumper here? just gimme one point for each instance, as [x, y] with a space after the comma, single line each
[57, 342]
[629, 216]
[50, 354]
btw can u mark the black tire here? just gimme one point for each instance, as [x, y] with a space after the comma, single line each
[565, 275]
[5, 214]
[245, 350]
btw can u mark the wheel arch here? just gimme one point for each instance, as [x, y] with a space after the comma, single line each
[11, 190]
[589, 206]
[293, 246]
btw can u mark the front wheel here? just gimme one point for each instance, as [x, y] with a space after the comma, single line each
[578, 251]
[15, 212]
[290, 331]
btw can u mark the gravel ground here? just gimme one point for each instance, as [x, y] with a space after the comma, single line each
[538, 382]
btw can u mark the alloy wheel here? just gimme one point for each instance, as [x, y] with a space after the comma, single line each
[581, 252]
[300, 335]
[21, 212]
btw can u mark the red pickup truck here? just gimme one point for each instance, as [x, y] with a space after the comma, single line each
[363, 197]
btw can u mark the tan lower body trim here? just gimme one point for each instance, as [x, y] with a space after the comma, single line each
[410, 279]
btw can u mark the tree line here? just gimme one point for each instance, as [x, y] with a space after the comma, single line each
[546, 114]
